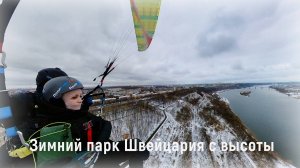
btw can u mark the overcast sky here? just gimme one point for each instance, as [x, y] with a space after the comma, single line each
[196, 41]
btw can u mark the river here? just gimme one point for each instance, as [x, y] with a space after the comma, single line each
[271, 116]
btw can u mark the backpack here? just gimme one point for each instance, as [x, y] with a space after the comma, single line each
[22, 105]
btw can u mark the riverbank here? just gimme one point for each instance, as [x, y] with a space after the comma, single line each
[290, 91]
[272, 116]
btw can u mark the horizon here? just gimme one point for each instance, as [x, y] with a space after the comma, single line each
[168, 85]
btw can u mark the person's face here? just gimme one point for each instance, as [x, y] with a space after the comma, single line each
[73, 99]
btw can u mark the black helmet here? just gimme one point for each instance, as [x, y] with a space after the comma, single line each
[45, 75]
[56, 87]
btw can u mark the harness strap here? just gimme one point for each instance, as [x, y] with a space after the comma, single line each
[20, 152]
[90, 132]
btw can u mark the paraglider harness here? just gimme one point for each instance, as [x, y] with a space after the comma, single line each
[24, 151]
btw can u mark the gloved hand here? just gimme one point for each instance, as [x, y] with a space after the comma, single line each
[87, 102]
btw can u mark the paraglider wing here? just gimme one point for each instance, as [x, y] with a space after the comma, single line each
[7, 8]
[145, 15]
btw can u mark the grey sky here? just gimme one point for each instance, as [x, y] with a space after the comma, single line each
[196, 41]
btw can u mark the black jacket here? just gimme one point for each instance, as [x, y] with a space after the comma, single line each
[80, 121]
[31, 113]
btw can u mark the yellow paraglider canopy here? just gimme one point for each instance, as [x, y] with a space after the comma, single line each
[145, 15]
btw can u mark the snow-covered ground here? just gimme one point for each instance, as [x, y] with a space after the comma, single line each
[195, 118]
[294, 93]
[292, 90]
